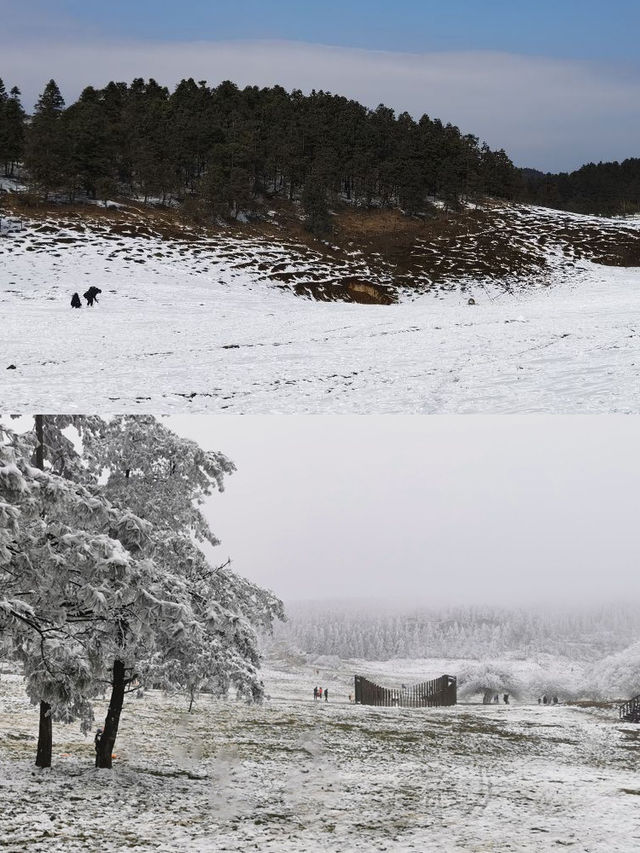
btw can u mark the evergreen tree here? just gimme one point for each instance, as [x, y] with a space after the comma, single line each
[410, 178]
[314, 203]
[47, 153]
[15, 124]
[499, 177]
[63, 555]
[106, 583]
[146, 139]
[12, 129]
[90, 153]
[3, 125]
[229, 147]
[601, 188]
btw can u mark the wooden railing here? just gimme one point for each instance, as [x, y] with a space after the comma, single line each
[630, 711]
[430, 694]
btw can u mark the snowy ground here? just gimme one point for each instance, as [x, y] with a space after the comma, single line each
[203, 327]
[294, 775]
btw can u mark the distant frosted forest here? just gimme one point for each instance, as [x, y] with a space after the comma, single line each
[366, 631]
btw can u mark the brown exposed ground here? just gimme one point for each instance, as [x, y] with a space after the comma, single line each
[371, 255]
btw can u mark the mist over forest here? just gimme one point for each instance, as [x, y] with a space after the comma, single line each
[373, 631]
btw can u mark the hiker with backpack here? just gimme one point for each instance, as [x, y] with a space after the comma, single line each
[92, 296]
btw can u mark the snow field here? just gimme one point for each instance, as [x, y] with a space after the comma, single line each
[204, 327]
[293, 775]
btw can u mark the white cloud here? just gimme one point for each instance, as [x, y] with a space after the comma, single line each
[547, 113]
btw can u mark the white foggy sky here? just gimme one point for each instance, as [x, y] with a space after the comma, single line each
[438, 510]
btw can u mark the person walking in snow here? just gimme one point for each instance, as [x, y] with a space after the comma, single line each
[315, 694]
[319, 692]
[326, 695]
[75, 301]
[506, 698]
[92, 295]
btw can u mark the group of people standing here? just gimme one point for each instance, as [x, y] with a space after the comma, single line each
[318, 693]
[547, 700]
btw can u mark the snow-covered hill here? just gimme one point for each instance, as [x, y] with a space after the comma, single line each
[189, 321]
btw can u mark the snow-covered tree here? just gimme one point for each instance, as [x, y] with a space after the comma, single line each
[378, 632]
[54, 560]
[226, 653]
[165, 479]
[166, 613]
[555, 677]
[617, 676]
[488, 678]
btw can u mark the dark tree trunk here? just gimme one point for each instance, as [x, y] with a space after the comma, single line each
[45, 737]
[45, 729]
[104, 749]
[40, 439]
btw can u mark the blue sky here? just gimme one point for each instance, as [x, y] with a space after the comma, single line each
[557, 84]
[587, 29]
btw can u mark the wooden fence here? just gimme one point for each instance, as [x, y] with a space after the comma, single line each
[430, 694]
[630, 711]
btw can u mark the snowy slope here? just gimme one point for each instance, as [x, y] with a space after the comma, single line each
[212, 324]
[294, 775]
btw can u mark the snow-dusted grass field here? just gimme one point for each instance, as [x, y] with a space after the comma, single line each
[203, 327]
[294, 775]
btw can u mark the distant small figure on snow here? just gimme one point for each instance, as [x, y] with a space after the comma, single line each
[496, 698]
[326, 695]
[75, 301]
[92, 295]
[506, 698]
[471, 301]
[319, 692]
[555, 700]
[315, 693]
[545, 700]
[97, 739]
